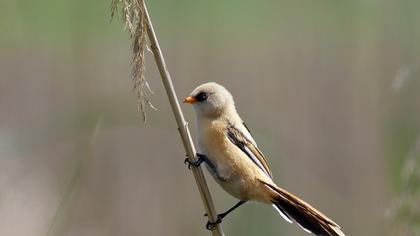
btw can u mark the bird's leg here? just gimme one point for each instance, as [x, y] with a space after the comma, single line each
[200, 159]
[203, 158]
[224, 214]
[211, 225]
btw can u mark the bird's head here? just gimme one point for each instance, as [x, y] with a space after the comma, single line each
[211, 100]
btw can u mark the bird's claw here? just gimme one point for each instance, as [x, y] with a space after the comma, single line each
[211, 225]
[200, 159]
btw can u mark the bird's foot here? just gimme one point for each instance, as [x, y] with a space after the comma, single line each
[200, 159]
[211, 225]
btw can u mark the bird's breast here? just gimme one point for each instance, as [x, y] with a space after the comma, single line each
[214, 143]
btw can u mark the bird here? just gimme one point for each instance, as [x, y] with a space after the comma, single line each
[238, 165]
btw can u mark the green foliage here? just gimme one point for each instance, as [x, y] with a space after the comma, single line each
[405, 211]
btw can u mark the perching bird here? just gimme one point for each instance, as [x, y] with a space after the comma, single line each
[237, 164]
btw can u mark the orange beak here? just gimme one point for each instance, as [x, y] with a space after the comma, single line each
[190, 100]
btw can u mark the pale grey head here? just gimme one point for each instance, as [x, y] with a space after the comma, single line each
[211, 100]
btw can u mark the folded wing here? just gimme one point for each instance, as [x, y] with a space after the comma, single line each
[242, 138]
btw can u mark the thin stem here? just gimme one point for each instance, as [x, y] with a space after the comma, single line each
[182, 125]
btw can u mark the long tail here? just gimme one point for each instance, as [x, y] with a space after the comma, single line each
[294, 209]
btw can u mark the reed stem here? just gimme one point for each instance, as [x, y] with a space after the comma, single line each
[182, 125]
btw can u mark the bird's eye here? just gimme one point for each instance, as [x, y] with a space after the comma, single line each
[201, 97]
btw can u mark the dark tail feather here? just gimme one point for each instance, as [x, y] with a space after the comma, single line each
[294, 209]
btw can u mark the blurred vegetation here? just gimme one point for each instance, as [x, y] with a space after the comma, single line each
[330, 90]
[405, 211]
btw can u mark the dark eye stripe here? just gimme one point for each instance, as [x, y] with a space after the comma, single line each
[201, 97]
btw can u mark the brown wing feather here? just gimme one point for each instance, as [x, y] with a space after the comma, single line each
[258, 154]
[240, 140]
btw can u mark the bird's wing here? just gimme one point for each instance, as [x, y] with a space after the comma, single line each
[242, 138]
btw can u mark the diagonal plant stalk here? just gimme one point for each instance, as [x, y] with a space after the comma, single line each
[65, 207]
[143, 21]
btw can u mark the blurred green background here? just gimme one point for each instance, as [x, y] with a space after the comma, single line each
[330, 89]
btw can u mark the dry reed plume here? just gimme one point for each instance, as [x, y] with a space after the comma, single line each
[137, 22]
[133, 16]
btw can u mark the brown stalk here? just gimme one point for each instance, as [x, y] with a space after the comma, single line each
[137, 20]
